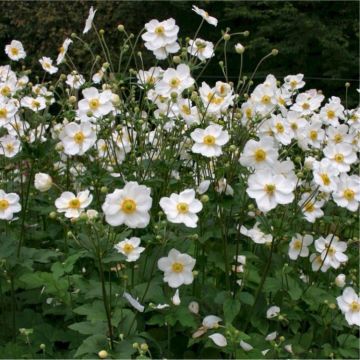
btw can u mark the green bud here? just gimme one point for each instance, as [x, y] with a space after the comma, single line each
[121, 28]
[204, 199]
[274, 52]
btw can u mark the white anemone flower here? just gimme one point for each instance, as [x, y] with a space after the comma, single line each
[349, 304]
[15, 50]
[182, 208]
[299, 246]
[205, 15]
[129, 206]
[130, 248]
[89, 20]
[209, 141]
[218, 339]
[177, 268]
[47, 65]
[73, 205]
[9, 205]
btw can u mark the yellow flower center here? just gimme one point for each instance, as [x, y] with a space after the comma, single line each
[325, 178]
[313, 135]
[9, 148]
[159, 30]
[259, 155]
[349, 194]
[265, 99]
[331, 251]
[74, 203]
[222, 90]
[177, 267]
[4, 204]
[14, 51]
[309, 207]
[182, 208]
[270, 189]
[214, 99]
[3, 113]
[47, 65]
[339, 158]
[294, 126]
[79, 137]
[355, 306]
[281, 101]
[248, 113]
[174, 82]
[35, 104]
[293, 83]
[128, 206]
[280, 128]
[338, 138]
[5, 91]
[209, 140]
[61, 50]
[94, 104]
[330, 114]
[305, 106]
[186, 110]
[128, 248]
[297, 244]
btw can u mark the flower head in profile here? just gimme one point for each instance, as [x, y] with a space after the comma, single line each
[130, 248]
[182, 208]
[47, 65]
[42, 182]
[205, 15]
[73, 205]
[201, 49]
[9, 205]
[15, 50]
[177, 268]
[63, 50]
[209, 141]
[129, 206]
[89, 20]
[349, 304]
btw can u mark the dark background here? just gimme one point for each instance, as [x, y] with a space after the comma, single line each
[317, 38]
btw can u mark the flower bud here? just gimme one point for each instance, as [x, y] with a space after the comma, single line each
[239, 48]
[103, 354]
[340, 280]
[194, 307]
[204, 199]
[226, 37]
[274, 52]
[144, 347]
[42, 182]
[121, 28]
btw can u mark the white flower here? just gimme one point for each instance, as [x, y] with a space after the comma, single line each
[201, 49]
[332, 111]
[9, 204]
[341, 156]
[218, 339]
[349, 304]
[299, 246]
[98, 104]
[182, 208]
[325, 175]
[177, 268]
[77, 138]
[311, 207]
[269, 189]
[7, 112]
[133, 302]
[347, 194]
[35, 104]
[75, 81]
[47, 65]
[318, 263]
[42, 182]
[89, 20]
[272, 312]
[288, 348]
[149, 77]
[211, 321]
[130, 248]
[9, 146]
[223, 186]
[239, 48]
[129, 206]
[208, 142]
[272, 336]
[209, 19]
[245, 346]
[63, 50]
[15, 50]
[331, 250]
[259, 154]
[92, 214]
[203, 187]
[294, 82]
[73, 205]
[217, 99]
[256, 235]
[340, 280]
[176, 298]
[174, 80]
[160, 37]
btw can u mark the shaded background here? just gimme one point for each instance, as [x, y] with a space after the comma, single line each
[317, 38]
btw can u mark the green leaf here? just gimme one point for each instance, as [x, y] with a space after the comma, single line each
[92, 345]
[246, 298]
[231, 309]
[89, 328]
[295, 290]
